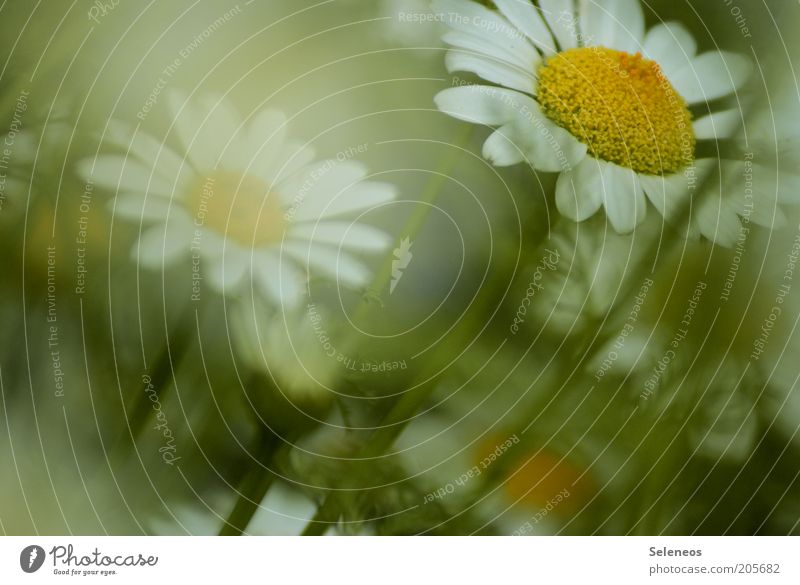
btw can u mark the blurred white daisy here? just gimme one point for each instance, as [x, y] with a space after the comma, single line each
[295, 348]
[283, 512]
[244, 199]
[590, 95]
[756, 188]
[596, 267]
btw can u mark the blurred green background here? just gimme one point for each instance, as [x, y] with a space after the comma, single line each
[558, 448]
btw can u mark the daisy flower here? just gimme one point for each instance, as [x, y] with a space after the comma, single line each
[295, 350]
[589, 94]
[245, 205]
[596, 267]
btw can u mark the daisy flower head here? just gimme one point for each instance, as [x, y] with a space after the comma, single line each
[246, 206]
[583, 90]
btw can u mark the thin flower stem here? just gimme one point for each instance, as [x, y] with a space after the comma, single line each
[164, 367]
[383, 438]
[410, 402]
[417, 219]
[254, 486]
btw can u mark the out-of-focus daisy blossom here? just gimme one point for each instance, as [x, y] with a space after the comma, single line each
[245, 199]
[591, 95]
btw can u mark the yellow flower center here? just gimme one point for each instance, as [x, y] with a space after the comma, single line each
[621, 106]
[239, 207]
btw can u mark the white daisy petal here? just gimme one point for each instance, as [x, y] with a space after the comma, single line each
[219, 133]
[331, 262]
[211, 243]
[292, 157]
[162, 244]
[501, 148]
[623, 197]
[616, 24]
[711, 75]
[534, 138]
[278, 278]
[560, 15]
[225, 272]
[579, 193]
[479, 104]
[354, 236]
[523, 15]
[205, 127]
[308, 192]
[272, 157]
[120, 173]
[365, 195]
[667, 194]
[717, 125]
[543, 144]
[670, 45]
[525, 131]
[527, 60]
[766, 214]
[491, 70]
[322, 178]
[717, 221]
[140, 207]
[478, 21]
[153, 153]
[266, 127]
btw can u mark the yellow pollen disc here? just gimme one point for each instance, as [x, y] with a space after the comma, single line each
[621, 106]
[238, 207]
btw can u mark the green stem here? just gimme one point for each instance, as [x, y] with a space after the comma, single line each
[254, 487]
[416, 220]
[410, 402]
[380, 441]
[141, 407]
